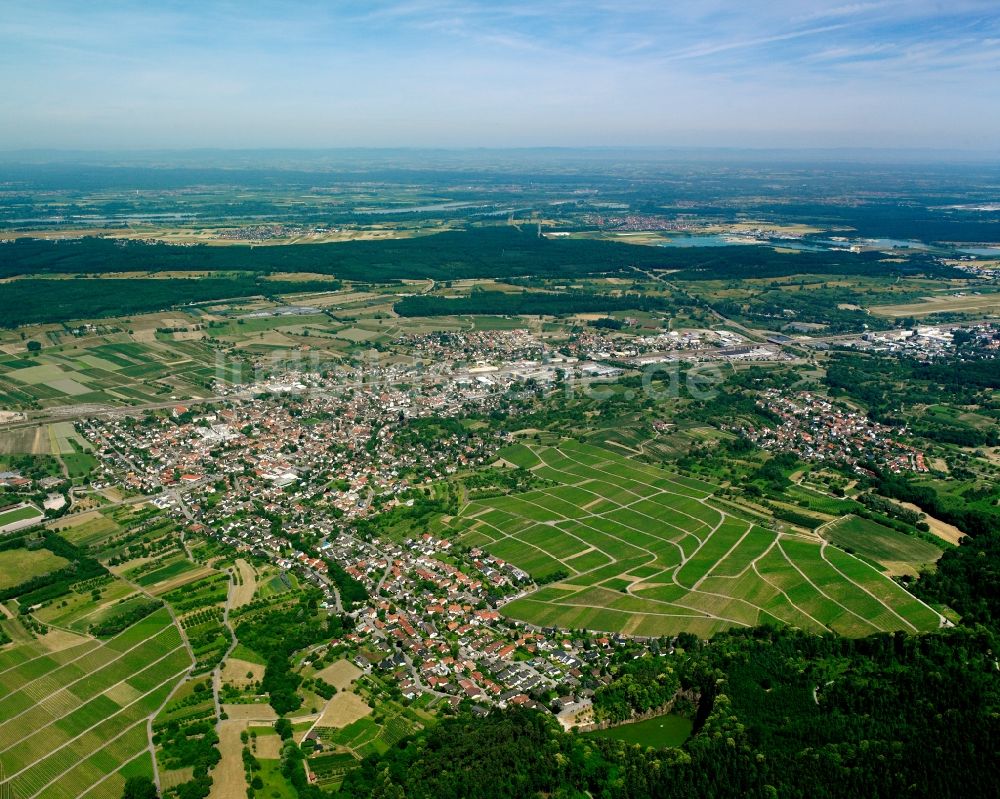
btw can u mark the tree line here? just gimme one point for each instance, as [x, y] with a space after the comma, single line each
[533, 303]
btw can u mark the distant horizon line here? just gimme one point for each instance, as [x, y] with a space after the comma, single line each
[232, 156]
[501, 148]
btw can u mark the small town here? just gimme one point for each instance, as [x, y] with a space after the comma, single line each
[816, 429]
[324, 462]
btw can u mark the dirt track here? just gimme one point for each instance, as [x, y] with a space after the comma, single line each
[261, 712]
[943, 530]
[243, 592]
[228, 780]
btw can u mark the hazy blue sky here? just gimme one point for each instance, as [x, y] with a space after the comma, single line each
[165, 73]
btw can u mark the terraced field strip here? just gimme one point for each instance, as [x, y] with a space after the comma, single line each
[74, 727]
[113, 784]
[13, 677]
[644, 553]
[82, 678]
[329, 769]
[117, 697]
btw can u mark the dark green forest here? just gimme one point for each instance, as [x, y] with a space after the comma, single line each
[497, 252]
[35, 301]
[875, 382]
[733, 263]
[530, 303]
[480, 252]
[472, 253]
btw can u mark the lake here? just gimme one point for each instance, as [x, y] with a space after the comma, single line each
[892, 244]
[727, 240]
[658, 732]
[708, 240]
[991, 252]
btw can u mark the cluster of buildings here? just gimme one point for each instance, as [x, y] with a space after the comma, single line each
[981, 269]
[433, 619]
[672, 346]
[14, 480]
[27, 490]
[927, 342]
[488, 357]
[638, 223]
[477, 346]
[816, 429]
[299, 436]
[296, 468]
[280, 310]
[259, 233]
[592, 344]
[503, 357]
[321, 462]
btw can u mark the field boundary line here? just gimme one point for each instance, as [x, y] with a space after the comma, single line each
[644, 468]
[85, 701]
[580, 478]
[779, 589]
[680, 601]
[635, 612]
[640, 547]
[659, 491]
[63, 773]
[91, 727]
[697, 549]
[589, 546]
[546, 552]
[126, 598]
[512, 537]
[113, 773]
[87, 640]
[822, 552]
[583, 522]
[589, 515]
[674, 477]
[83, 677]
[66, 629]
[823, 593]
[729, 552]
[150, 746]
[583, 519]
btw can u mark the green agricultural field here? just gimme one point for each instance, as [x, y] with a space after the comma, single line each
[19, 514]
[276, 785]
[86, 528]
[20, 565]
[79, 464]
[329, 769]
[70, 719]
[167, 572]
[116, 369]
[874, 541]
[113, 786]
[79, 609]
[639, 550]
